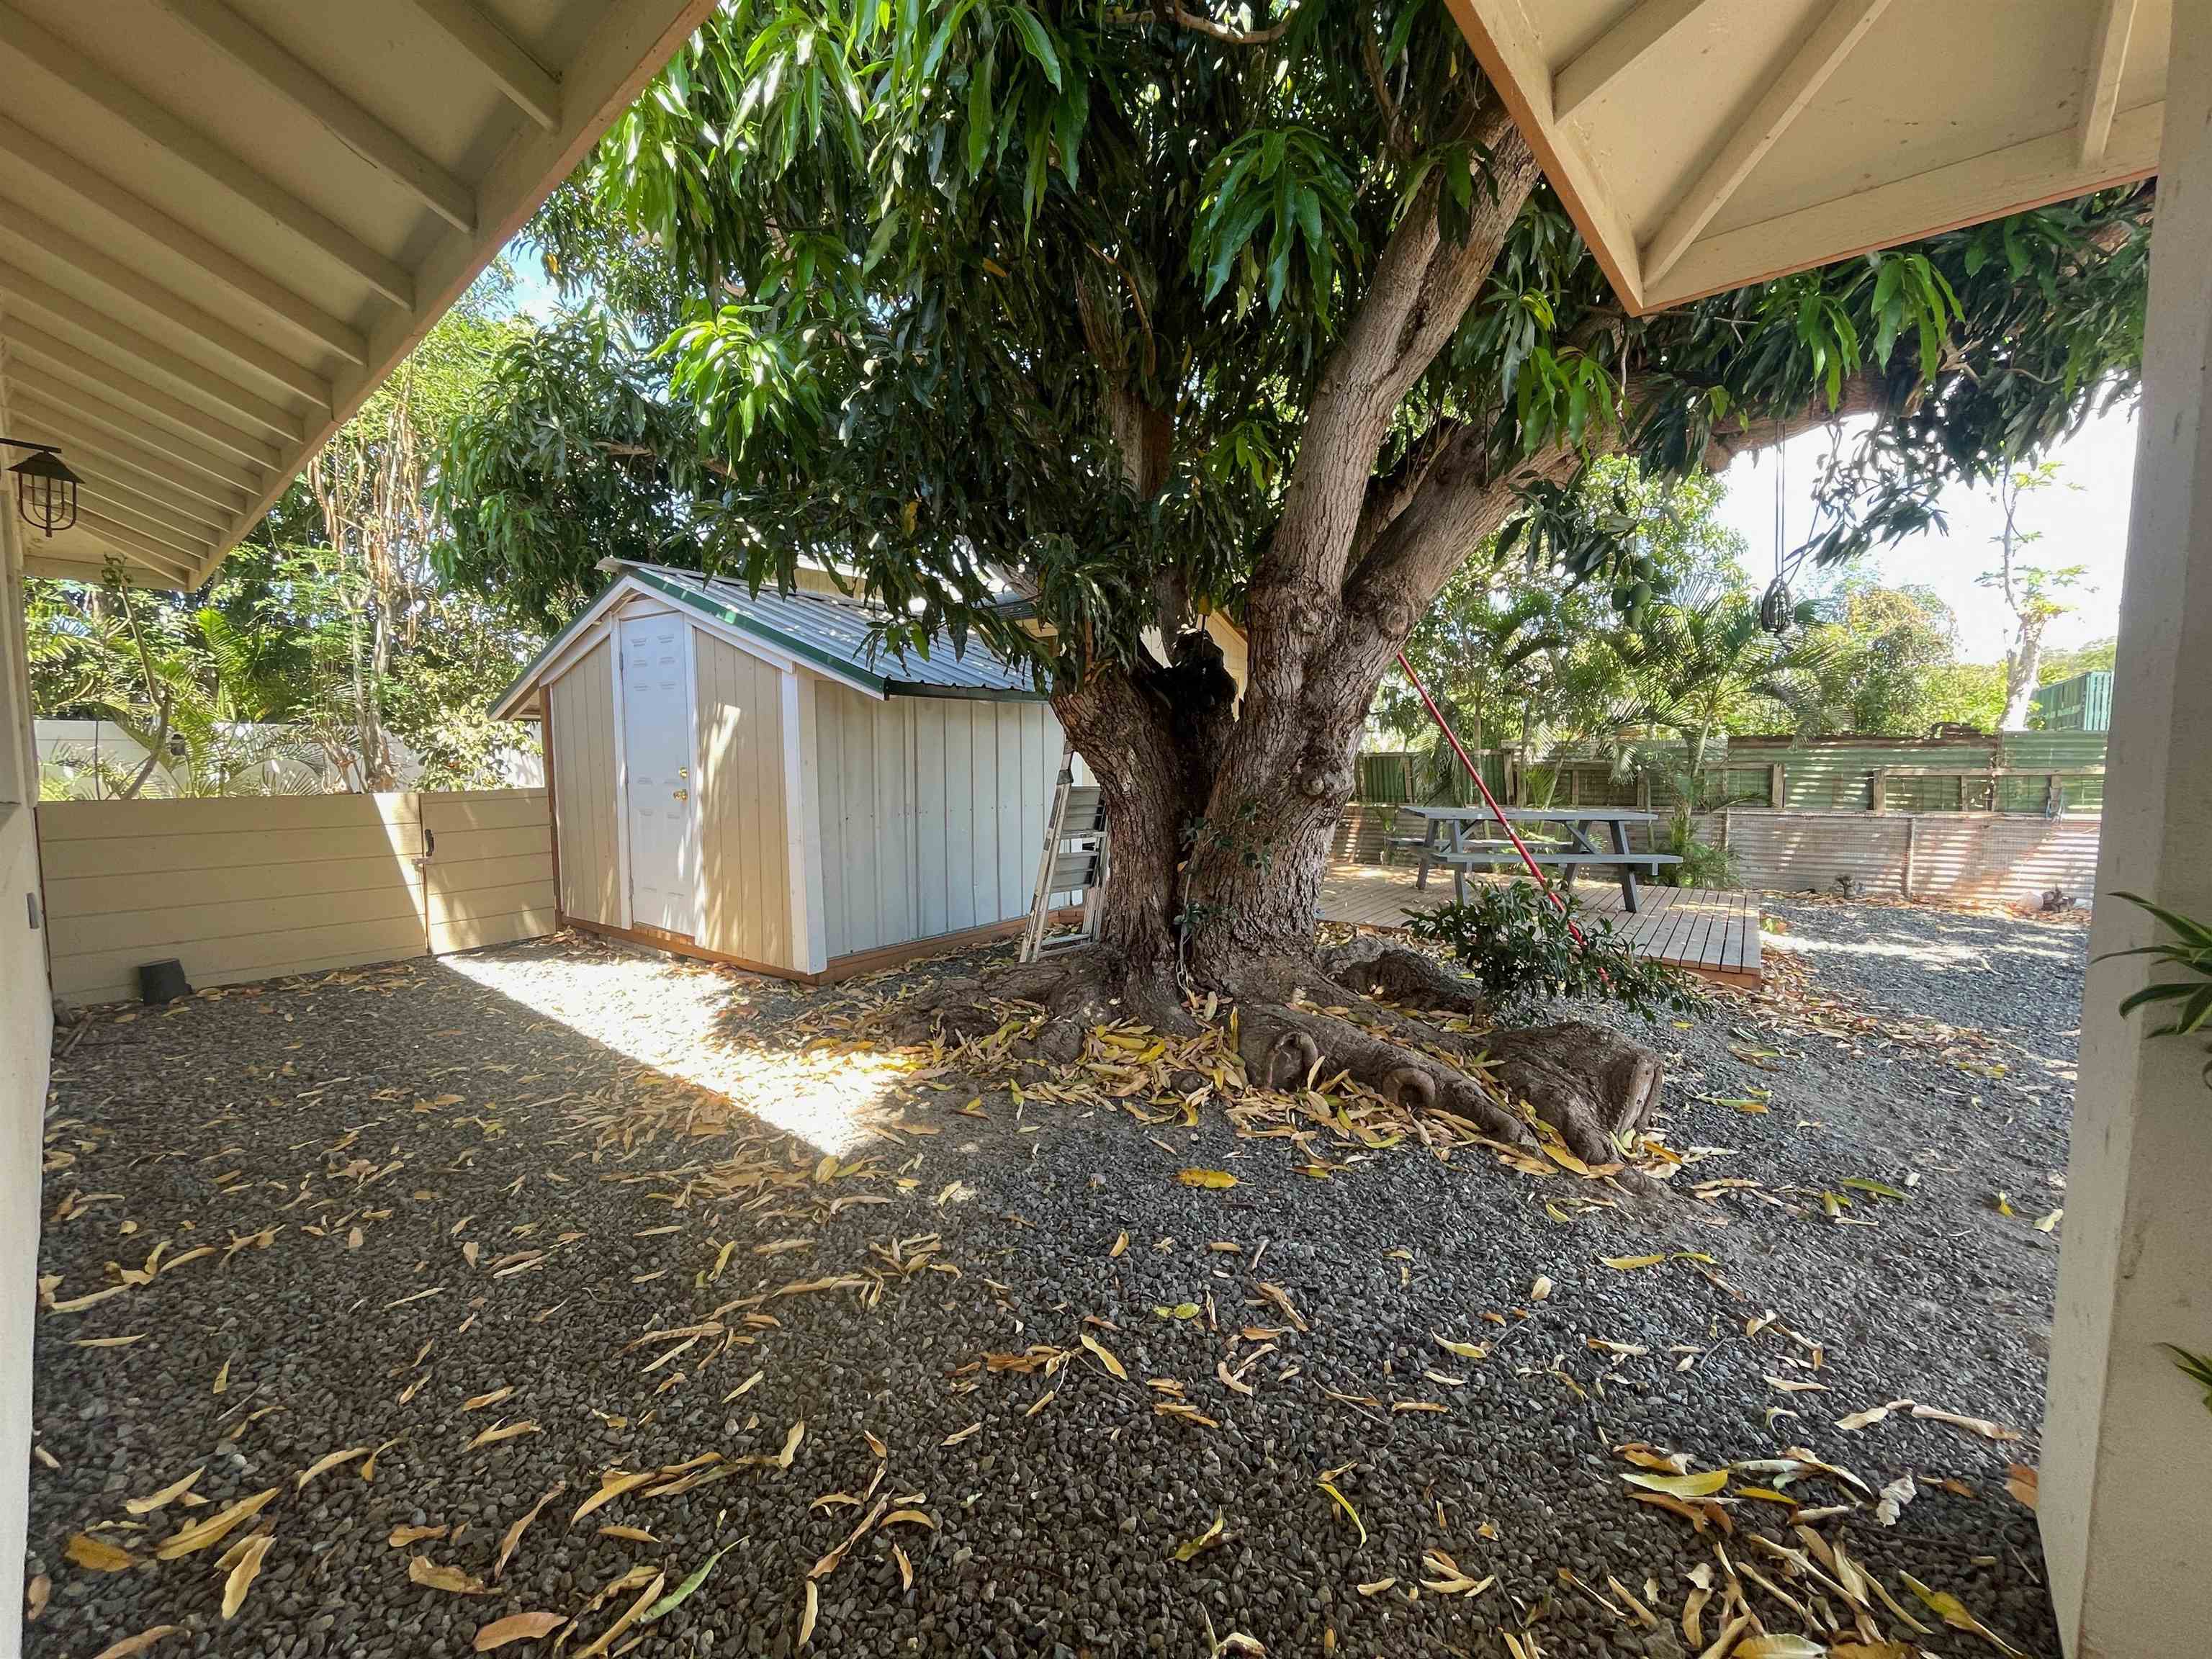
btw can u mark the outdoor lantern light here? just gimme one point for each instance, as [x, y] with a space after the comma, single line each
[45, 490]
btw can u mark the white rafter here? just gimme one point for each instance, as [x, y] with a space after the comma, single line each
[525, 81]
[1616, 52]
[133, 110]
[95, 191]
[365, 134]
[44, 355]
[2108, 61]
[21, 228]
[72, 437]
[1787, 94]
[65, 399]
[67, 312]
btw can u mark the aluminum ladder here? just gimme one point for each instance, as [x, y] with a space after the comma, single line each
[1073, 864]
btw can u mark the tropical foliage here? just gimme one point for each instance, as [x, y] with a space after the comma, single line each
[327, 646]
[1519, 943]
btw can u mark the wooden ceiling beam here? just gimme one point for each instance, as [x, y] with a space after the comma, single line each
[131, 109]
[365, 134]
[66, 312]
[525, 82]
[72, 436]
[1616, 52]
[27, 347]
[62, 398]
[159, 557]
[2108, 61]
[95, 505]
[1788, 93]
[102, 194]
[22, 228]
[121, 498]
[151, 498]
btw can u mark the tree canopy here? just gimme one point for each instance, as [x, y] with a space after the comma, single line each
[992, 293]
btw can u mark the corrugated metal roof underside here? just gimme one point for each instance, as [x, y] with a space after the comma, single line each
[842, 636]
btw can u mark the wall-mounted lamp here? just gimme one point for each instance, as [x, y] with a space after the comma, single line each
[45, 490]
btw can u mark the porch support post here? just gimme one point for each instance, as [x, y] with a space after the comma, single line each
[2127, 1444]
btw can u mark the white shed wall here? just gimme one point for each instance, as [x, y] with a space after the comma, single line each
[932, 813]
[582, 767]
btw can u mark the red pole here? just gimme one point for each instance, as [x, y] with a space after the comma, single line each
[1488, 799]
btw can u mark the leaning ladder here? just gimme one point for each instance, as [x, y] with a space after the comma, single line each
[1073, 861]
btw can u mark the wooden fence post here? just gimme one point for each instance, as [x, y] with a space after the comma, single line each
[1910, 818]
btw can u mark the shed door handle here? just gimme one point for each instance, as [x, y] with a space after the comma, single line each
[683, 795]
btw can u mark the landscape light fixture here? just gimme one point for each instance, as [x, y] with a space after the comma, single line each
[45, 490]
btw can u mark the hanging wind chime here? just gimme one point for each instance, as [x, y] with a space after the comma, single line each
[1776, 606]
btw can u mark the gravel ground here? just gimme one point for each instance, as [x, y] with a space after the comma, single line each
[420, 1186]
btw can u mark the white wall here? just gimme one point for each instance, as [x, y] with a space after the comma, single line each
[932, 812]
[26, 1042]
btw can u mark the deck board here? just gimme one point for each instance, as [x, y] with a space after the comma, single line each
[1700, 929]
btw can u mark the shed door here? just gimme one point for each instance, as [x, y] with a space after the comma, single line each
[657, 761]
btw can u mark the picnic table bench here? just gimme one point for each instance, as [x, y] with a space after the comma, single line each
[1443, 842]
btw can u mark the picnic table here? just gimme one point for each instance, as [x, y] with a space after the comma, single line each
[1564, 843]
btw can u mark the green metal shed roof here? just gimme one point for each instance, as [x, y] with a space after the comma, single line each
[835, 636]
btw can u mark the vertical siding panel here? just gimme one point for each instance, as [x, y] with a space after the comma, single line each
[1013, 785]
[959, 817]
[930, 817]
[744, 840]
[584, 787]
[897, 850]
[837, 867]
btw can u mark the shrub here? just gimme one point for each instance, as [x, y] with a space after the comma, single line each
[1518, 944]
[1704, 863]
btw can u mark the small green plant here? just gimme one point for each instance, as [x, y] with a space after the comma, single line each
[2197, 1367]
[1518, 944]
[1703, 863]
[2189, 950]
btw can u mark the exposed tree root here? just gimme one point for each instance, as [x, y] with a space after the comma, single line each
[1076, 992]
[1369, 965]
[1597, 1089]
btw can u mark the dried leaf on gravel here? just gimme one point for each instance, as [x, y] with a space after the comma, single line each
[1464, 1350]
[1780, 1646]
[959, 1435]
[1953, 1612]
[1797, 1385]
[808, 1611]
[326, 1462]
[243, 1571]
[2020, 1481]
[1647, 1456]
[1191, 1548]
[629, 1616]
[634, 1534]
[35, 1597]
[1215, 1179]
[1104, 1355]
[97, 1554]
[1871, 1415]
[483, 1400]
[131, 1646]
[499, 1432]
[1375, 1586]
[1704, 1484]
[1630, 1263]
[1895, 1496]
[512, 1536]
[214, 1529]
[1980, 1425]
[517, 1627]
[1120, 1248]
[433, 1575]
[401, 1537]
[612, 1484]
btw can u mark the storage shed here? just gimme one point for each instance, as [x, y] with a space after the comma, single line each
[754, 778]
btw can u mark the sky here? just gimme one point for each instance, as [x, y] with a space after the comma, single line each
[2083, 519]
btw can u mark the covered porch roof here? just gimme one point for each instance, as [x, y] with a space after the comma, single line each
[223, 222]
[1704, 144]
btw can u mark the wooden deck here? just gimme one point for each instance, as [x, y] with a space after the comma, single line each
[1713, 934]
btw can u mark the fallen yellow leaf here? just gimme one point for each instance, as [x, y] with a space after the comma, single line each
[1213, 1178]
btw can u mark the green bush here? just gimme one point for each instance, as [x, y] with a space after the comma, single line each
[1704, 863]
[1518, 944]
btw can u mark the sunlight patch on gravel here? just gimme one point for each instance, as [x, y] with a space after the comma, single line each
[672, 1018]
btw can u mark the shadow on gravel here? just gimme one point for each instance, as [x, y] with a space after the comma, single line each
[947, 1371]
